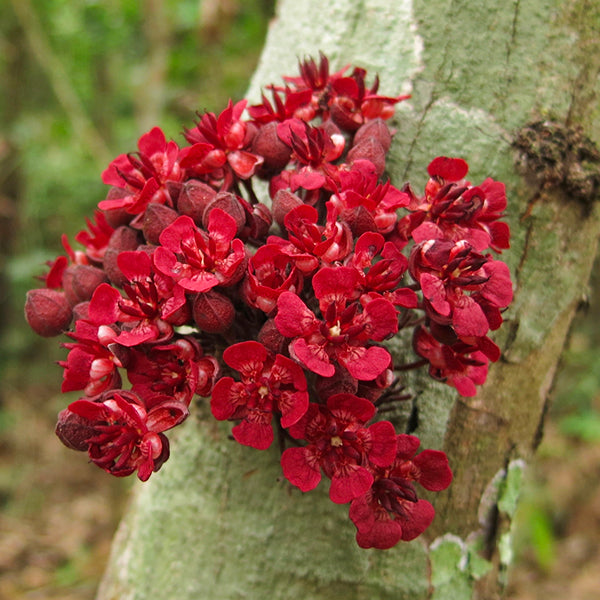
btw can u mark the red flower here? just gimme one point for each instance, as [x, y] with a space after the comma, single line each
[453, 209]
[96, 239]
[142, 178]
[461, 287]
[122, 432]
[152, 307]
[341, 445]
[364, 203]
[313, 151]
[270, 272]
[343, 335]
[91, 365]
[197, 260]
[178, 369]
[227, 134]
[296, 104]
[269, 384]
[309, 243]
[351, 104]
[460, 365]
[390, 510]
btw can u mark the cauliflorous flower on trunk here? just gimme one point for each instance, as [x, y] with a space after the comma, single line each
[229, 137]
[270, 384]
[344, 333]
[310, 243]
[178, 369]
[141, 178]
[152, 307]
[121, 432]
[453, 209]
[390, 510]
[461, 287]
[91, 364]
[460, 365]
[198, 260]
[365, 203]
[271, 271]
[339, 443]
[313, 152]
[96, 238]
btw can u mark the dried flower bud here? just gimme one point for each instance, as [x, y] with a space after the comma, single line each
[194, 198]
[48, 312]
[156, 218]
[213, 312]
[80, 281]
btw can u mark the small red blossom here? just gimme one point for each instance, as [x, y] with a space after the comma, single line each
[342, 335]
[339, 443]
[460, 365]
[269, 384]
[198, 260]
[314, 151]
[122, 432]
[455, 210]
[310, 243]
[178, 370]
[460, 286]
[141, 178]
[390, 510]
[152, 307]
[364, 203]
[91, 364]
[271, 272]
[222, 143]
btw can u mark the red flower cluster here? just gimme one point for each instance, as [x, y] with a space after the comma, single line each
[188, 285]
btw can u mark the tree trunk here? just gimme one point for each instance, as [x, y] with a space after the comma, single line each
[218, 522]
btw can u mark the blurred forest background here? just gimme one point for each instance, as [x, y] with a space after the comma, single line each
[81, 80]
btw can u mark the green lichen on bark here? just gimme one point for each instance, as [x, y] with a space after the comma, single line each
[218, 522]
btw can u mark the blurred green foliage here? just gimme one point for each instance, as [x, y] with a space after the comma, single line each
[82, 81]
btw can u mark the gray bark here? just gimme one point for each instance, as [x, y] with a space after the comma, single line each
[218, 522]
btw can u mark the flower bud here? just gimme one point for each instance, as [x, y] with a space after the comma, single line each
[213, 312]
[229, 203]
[283, 202]
[275, 153]
[376, 128]
[194, 198]
[48, 312]
[369, 148]
[261, 220]
[73, 431]
[341, 383]
[80, 281]
[270, 337]
[123, 239]
[156, 218]
[116, 217]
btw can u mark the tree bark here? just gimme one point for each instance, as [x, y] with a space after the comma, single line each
[218, 522]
